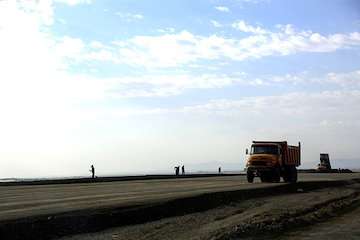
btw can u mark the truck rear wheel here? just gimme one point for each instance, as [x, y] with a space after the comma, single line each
[287, 174]
[290, 174]
[293, 174]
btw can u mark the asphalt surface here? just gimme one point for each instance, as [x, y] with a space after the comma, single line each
[26, 201]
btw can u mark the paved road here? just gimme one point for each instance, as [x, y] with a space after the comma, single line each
[23, 201]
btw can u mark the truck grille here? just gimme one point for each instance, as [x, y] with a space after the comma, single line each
[258, 163]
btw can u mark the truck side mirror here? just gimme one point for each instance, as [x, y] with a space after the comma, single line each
[247, 151]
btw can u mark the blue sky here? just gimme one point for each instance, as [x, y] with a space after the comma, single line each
[145, 85]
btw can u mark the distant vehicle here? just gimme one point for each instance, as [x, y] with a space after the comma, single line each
[272, 160]
[324, 164]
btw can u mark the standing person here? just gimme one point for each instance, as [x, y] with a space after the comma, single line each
[177, 170]
[183, 170]
[92, 170]
[219, 170]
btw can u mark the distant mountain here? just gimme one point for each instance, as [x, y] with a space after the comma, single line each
[214, 166]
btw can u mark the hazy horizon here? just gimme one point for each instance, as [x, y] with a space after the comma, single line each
[144, 86]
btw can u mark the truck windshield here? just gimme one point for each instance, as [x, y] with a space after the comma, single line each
[264, 149]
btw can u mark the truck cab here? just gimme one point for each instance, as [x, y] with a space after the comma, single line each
[265, 155]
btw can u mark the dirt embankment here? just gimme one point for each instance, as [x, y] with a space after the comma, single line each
[255, 218]
[345, 226]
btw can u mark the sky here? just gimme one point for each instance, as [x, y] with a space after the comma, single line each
[142, 86]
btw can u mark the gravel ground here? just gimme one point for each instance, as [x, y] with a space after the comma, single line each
[258, 218]
[346, 226]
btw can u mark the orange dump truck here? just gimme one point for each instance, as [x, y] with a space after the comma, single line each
[272, 160]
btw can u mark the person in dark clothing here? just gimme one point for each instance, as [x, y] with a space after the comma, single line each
[92, 170]
[219, 170]
[183, 170]
[177, 170]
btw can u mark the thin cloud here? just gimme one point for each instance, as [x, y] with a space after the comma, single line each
[253, 1]
[349, 80]
[176, 49]
[222, 9]
[129, 17]
[166, 30]
[216, 24]
[74, 2]
[320, 104]
[244, 27]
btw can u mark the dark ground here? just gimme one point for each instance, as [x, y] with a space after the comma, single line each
[48, 211]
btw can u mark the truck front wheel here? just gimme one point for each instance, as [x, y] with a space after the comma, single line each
[250, 176]
[266, 177]
[276, 175]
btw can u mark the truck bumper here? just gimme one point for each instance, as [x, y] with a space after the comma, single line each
[257, 170]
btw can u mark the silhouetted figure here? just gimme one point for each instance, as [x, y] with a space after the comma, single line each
[183, 170]
[219, 170]
[177, 170]
[92, 170]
